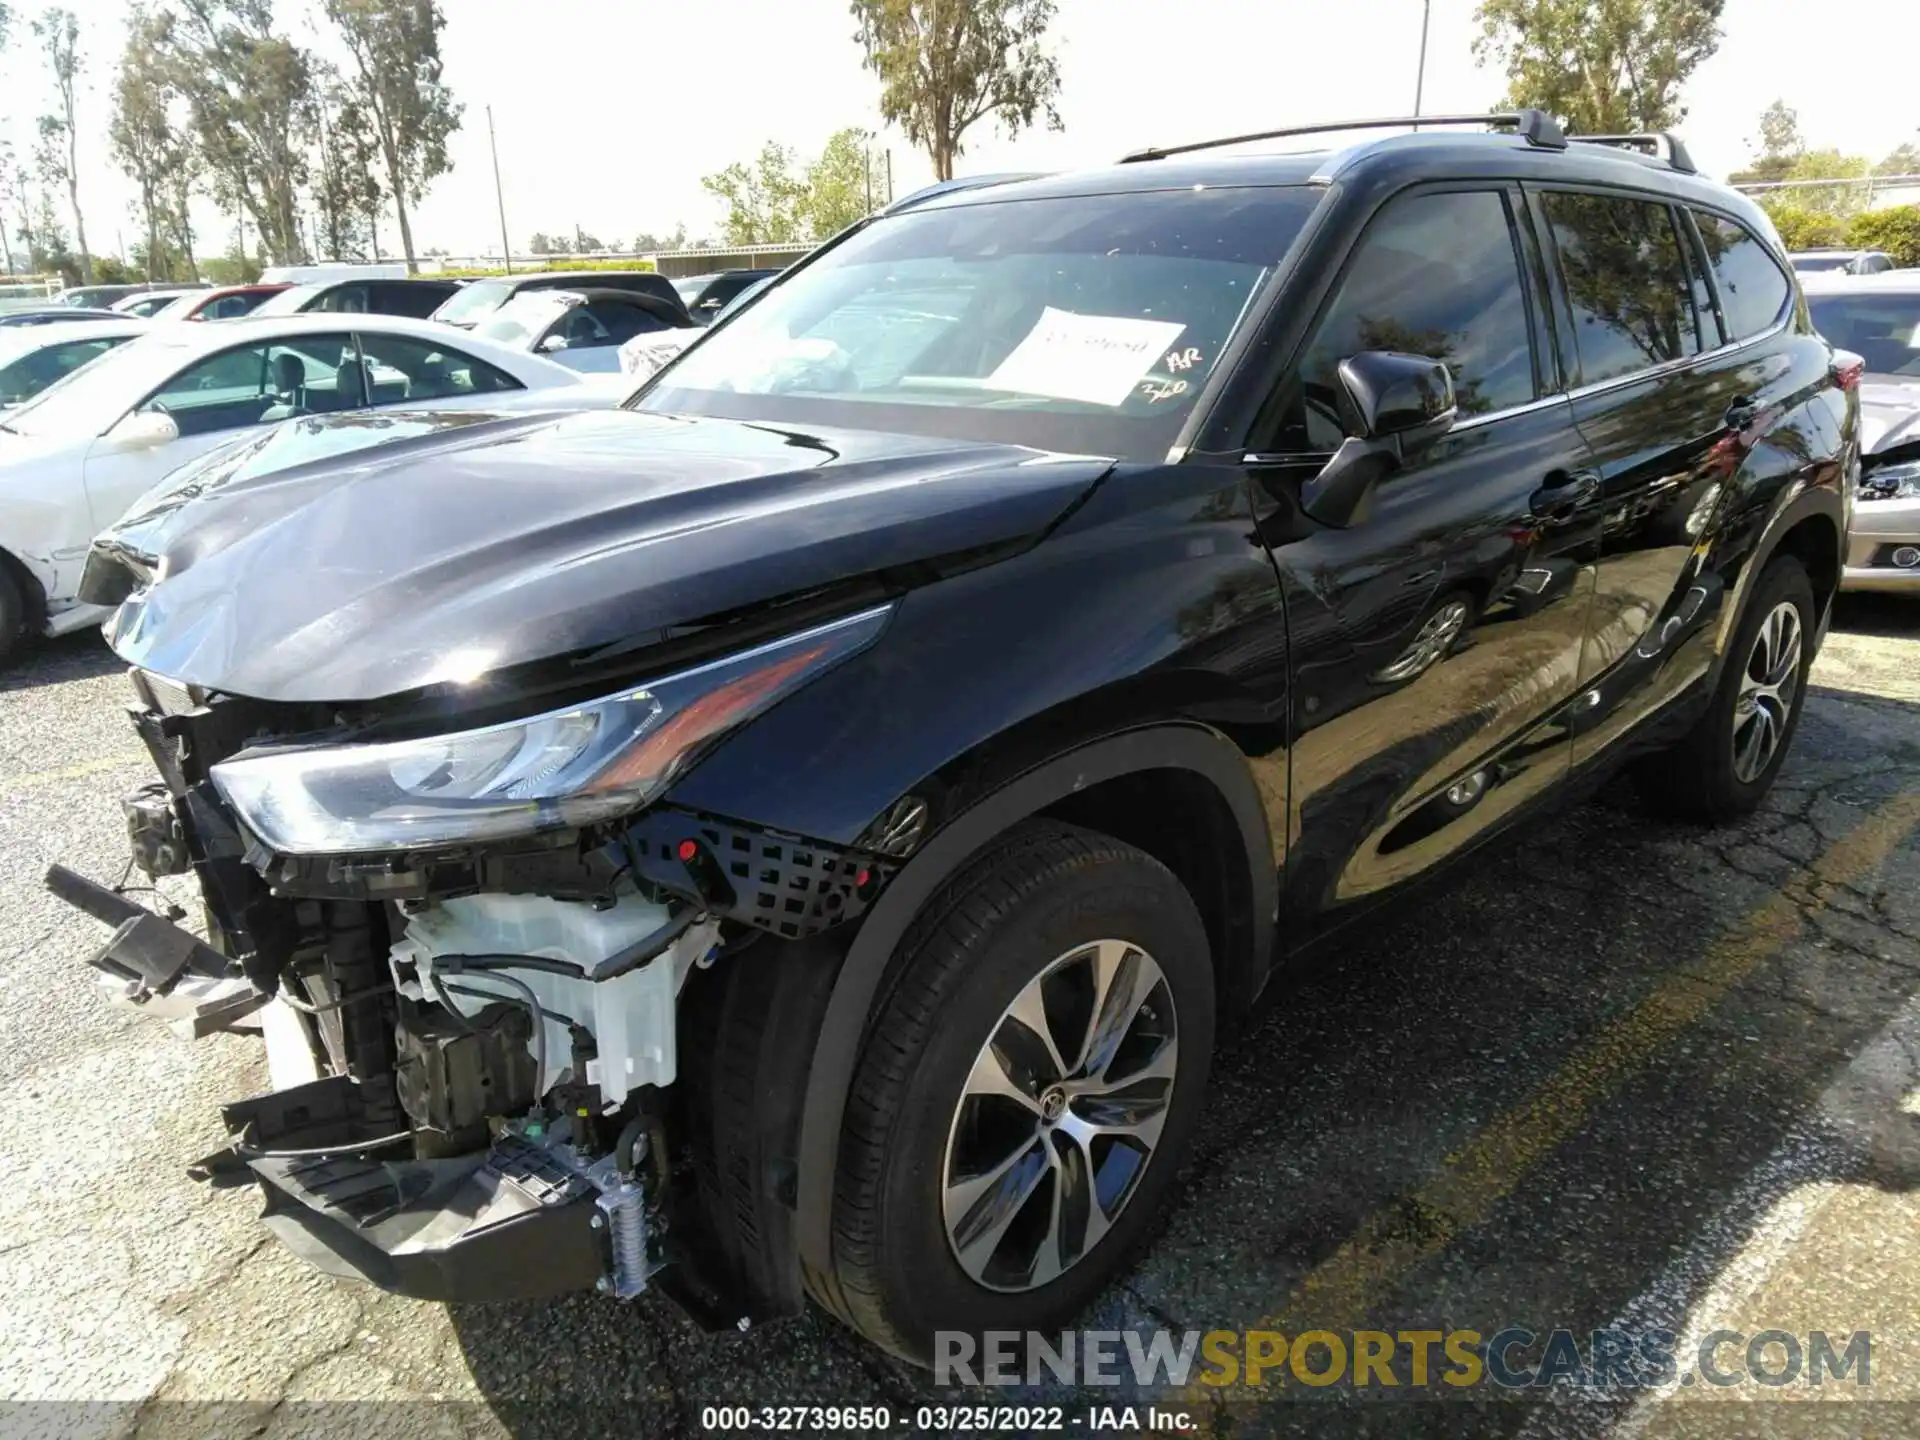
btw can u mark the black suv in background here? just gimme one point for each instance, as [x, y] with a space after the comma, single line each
[473, 302]
[805, 832]
[707, 295]
[416, 298]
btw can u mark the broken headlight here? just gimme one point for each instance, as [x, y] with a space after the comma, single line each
[566, 768]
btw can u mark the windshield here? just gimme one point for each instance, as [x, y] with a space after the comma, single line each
[1820, 264]
[1083, 323]
[1884, 330]
[92, 399]
[470, 302]
[517, 322]
[690, 286]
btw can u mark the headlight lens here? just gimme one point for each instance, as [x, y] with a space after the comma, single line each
[565, 768]
[1893, 482]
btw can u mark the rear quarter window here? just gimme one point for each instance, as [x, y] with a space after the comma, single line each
[1754, 294]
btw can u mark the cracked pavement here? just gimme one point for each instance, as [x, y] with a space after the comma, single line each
[1624, 1073]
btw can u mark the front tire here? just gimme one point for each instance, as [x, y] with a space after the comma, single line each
[13, 611]
[1726, 764]
[1027, 1094]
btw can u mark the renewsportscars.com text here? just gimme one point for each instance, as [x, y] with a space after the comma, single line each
[1512, 1358]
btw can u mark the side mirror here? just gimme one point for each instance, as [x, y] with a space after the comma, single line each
[144, 430]
[551, 344]
[1408, 398]
[1392, 406]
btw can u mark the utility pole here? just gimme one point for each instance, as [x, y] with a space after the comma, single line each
[506, 246]
[1420, 82]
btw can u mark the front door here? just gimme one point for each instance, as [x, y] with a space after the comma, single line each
[1437, 641]
[212, 401]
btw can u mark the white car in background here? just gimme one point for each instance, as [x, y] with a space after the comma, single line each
[73, 459]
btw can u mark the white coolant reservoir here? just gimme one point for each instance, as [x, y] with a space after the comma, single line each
[631, 1016]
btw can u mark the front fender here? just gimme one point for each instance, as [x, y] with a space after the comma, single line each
[856, 991]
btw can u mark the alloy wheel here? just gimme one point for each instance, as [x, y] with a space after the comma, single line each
[1768, 689]
[1060, 1116]
[1436, 638]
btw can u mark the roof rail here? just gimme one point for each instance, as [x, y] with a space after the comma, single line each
[1536, 127]
[1661, 144]
[941, 188]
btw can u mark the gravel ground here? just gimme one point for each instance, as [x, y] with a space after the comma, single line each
[1627, 1074]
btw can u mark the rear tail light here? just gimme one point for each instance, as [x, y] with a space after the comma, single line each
[1847, 369]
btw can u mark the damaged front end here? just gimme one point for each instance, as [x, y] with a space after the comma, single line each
[470, 951]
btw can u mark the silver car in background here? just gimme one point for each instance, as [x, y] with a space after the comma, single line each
[1878, 318]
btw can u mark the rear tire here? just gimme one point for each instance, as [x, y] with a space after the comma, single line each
[1726, 764]
[1085, 1158]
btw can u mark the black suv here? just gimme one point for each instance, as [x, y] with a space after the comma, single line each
[474, 302]
[805, 832]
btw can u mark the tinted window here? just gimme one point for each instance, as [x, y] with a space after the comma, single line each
[1753, 292]
[1632, 300]
[1883, 329]
[405, 371]
[620, 323]
[229, 306]
[34, 372]
[355, 299]
[1434, 275]
[1821, 264]
[256, 383]
[418, 298]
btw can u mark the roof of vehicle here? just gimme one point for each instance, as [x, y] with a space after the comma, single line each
[1427, 154]
[1833, 250]
[190, 337]
[334, 282]
[55, 315]
[17, 340]
[1898, 282]
[585, 293]
[158, 292]
[548, 276]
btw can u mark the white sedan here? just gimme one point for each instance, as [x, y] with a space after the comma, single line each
[75, 457]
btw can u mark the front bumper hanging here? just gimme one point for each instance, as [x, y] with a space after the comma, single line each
[155, 966]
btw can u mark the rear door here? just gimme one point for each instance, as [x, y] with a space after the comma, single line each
[1437, 641]
[1670, 392]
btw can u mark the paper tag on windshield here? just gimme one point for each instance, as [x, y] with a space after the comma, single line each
[1095, 358]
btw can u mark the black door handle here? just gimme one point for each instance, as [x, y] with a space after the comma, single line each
[1562, 499]
[1742, 413]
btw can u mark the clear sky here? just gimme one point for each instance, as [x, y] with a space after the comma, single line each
[608, 112]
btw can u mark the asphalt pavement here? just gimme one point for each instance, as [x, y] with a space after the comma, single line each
[1625, 1075]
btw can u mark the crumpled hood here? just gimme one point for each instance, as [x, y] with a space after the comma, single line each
[510, 540]
[1889, 414]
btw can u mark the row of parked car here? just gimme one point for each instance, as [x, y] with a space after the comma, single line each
[96, 407]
